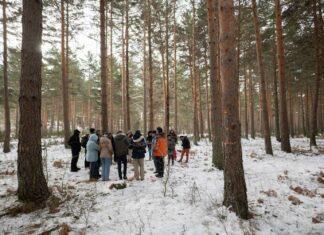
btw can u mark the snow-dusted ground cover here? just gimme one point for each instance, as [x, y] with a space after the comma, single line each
[193, 200]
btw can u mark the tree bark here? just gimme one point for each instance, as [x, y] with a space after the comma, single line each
[275, 94]
[207, 88]
[144, 72]
[103, 70]
[313, 124]
[167, 95]
[65, 82]
[32, 185]
[128, 127]
[246, 105]
[111, 68]
[284, 127]
[234, 182]
[215, 86]
[149, 38]
[6, 143]
[175, 67]
[194, 76]
[265, 117]
[251, 98]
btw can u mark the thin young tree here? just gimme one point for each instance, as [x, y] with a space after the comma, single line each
[251, 98]
[313, 123]
[32, 185]
[215, 86]
[150, 52]
[65, 82]
[175, 67]
[275, 96]
[234, 182]
[264, 107]
[103, 70]
[284, 127]
[127, 114]
[6, 143]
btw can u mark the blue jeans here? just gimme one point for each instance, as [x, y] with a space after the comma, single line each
[105, 168]
[94, 170]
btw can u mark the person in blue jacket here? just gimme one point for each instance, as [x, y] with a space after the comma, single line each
[92, 156]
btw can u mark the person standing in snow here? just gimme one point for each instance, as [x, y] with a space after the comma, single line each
[121, 151]
[149, 140]
[185, 148]
[172, 141]
[84, 141]
[138, 146]
[92, 156]
[75, 144]
[106, 152]
[159, 151]
[129, 135]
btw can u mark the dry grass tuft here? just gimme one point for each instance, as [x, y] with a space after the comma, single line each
[270, 193]
[294, 200]
[58, 164]
[303, 191]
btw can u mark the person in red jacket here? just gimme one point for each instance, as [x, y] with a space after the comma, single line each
[160, 147]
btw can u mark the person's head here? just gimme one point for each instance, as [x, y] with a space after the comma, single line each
[172, 132]
[181, 137]
[129, 133]
[76, 132]
[98, 132]
[119, 132]
[138, 132]
[93, 138]
[105, 134]
[110, 135]
[159, 130]
[92, 130]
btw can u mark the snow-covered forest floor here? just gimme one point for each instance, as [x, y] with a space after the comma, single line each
[285, 194]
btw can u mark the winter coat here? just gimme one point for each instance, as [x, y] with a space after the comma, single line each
[171, 144]
[121, 145]
[160, 145]
[106, 149]
[92, 148]
[75, 144]
[185, 143]
[138, 145]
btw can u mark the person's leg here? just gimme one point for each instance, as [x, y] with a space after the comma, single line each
[136, 165]
[181, 156]
[172, 158]
[155, 160]
[76, 162]
[141, 165]
[125, 167]
[119, 162]
[104, 169]
[187, 155]
[109, 161]
[72, 164]
[169, 159]
[92, 170]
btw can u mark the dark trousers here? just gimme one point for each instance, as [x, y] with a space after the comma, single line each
[159, 163]
[122, 160]
[94, 170]
[86, 163]
[74, 162]
[171, 158]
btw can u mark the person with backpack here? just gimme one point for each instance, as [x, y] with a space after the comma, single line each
[171, 147]
[185, 148]
[138, 145]
[92, 156]
[75, 144]
[121, 151]
[159, 151]
[106, 152]
[84, 141]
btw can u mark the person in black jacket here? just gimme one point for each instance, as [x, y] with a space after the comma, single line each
[185, 148]
[75, 144]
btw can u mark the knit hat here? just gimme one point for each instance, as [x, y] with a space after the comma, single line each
[159, 130]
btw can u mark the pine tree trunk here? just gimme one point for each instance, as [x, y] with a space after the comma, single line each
[201, 118]
[149, 38]
[234, 182]
[6, 143]
[265, 117]
[123, 79]
[215, 86]
[291, 110]
[194, 76]
[144, 73]
[167, 95]
[303, 114]
[246, 105]
[275, 95]
[128, 127]
[175, 67]
[207, 89]
[251, 98]
[313, 124]
[284, 127]
[103, 70]
[307, 112]
[65, 82]
[111, 69]
[32, 185]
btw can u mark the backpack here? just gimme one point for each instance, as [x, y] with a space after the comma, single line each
[84, 141]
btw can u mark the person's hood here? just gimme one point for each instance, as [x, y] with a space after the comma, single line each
[120, 136]
[93, 138]
[137, 138]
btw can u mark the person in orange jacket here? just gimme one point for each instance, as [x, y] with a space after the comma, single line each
[160, 150]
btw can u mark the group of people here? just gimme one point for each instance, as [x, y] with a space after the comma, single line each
[102, 149]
